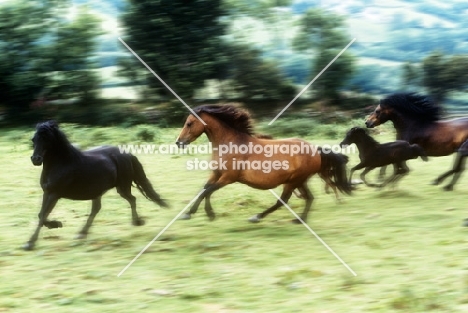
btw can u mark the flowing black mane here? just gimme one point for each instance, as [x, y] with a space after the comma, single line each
[49, 131]
[234, 117]
[412, 105]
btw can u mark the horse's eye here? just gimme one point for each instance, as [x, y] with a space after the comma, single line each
[377, 112]
[189, 124]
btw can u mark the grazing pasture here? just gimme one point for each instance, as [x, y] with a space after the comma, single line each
[407, 245]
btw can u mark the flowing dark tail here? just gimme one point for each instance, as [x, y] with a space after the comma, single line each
[419, 152]
[144, 185]
[334, 166]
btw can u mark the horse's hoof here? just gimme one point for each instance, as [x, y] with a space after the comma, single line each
[81, 236]
[465, 222]
[53, 224]
[296, 221]
[185, 216]
[435, 182]
[211, 217]
[448, 188]
[28, 246]
[255, 219]
[138, 222]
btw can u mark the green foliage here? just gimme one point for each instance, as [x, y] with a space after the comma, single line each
[323, 34]
[20, 53]
[180, 40]
[254, 77]
[69, 55]
[145, 134]
[411, 75]
[443, 74]
[44, 55]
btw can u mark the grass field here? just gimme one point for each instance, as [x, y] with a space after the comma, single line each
[407, 245]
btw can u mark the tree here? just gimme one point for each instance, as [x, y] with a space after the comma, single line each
[44, 52]
[179, 39]
[257, 78]
[21, 53]
[323, 35]
[443, 74]
[69, 53]
[411, 75]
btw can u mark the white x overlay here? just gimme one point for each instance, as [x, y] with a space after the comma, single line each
[160, 233]
[193, 200]
[312, 81]
[162, 81]
[313, 233]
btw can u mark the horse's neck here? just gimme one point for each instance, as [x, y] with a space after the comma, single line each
[64, 152]
[218, 133]
[366, 144]
[405, 128]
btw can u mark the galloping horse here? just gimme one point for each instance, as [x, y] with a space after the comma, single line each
[374, 154]
[230, 127]
[417, 120]
[72, 174]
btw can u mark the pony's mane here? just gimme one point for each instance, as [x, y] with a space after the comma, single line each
[232, 116]
[415, 106]
[52, 128]
[365, 134]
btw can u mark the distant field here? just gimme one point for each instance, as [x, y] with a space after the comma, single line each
[407, 245]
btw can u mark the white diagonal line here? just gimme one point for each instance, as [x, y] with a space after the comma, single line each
[162, 81]
[313, 233]
[160, 233]
[313, 80]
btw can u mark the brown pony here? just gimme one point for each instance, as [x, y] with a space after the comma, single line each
[417, 120]
[228, 126]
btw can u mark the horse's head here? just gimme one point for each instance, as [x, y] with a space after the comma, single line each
[43, 140]
[353, 135]
[193, 128]
[380, 115]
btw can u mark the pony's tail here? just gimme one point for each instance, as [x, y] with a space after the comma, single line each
[334, 167]
[419, 151]
[144, 185]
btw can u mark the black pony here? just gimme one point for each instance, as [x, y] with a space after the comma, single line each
[72, 174]
[373, 154]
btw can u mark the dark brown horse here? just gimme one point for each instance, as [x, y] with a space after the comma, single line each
[72, 174]
[228, 126]
[418, 120]
[373, 154]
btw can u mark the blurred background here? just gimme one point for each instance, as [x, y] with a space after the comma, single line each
[62, 59]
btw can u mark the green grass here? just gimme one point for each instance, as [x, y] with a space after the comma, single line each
[407, 245]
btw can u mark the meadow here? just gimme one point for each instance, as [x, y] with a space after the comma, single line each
[406, 245]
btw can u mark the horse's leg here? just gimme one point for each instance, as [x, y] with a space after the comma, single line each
[459, 165]
[382, 173]
[355, 168]
[96, 206]
[126, 193]
[194, 208]
[396, 173]
[309, 198]
[208, 208]
[329, 184]
[285, 195]
[48, 203]
[363, 176]
[403, 170]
